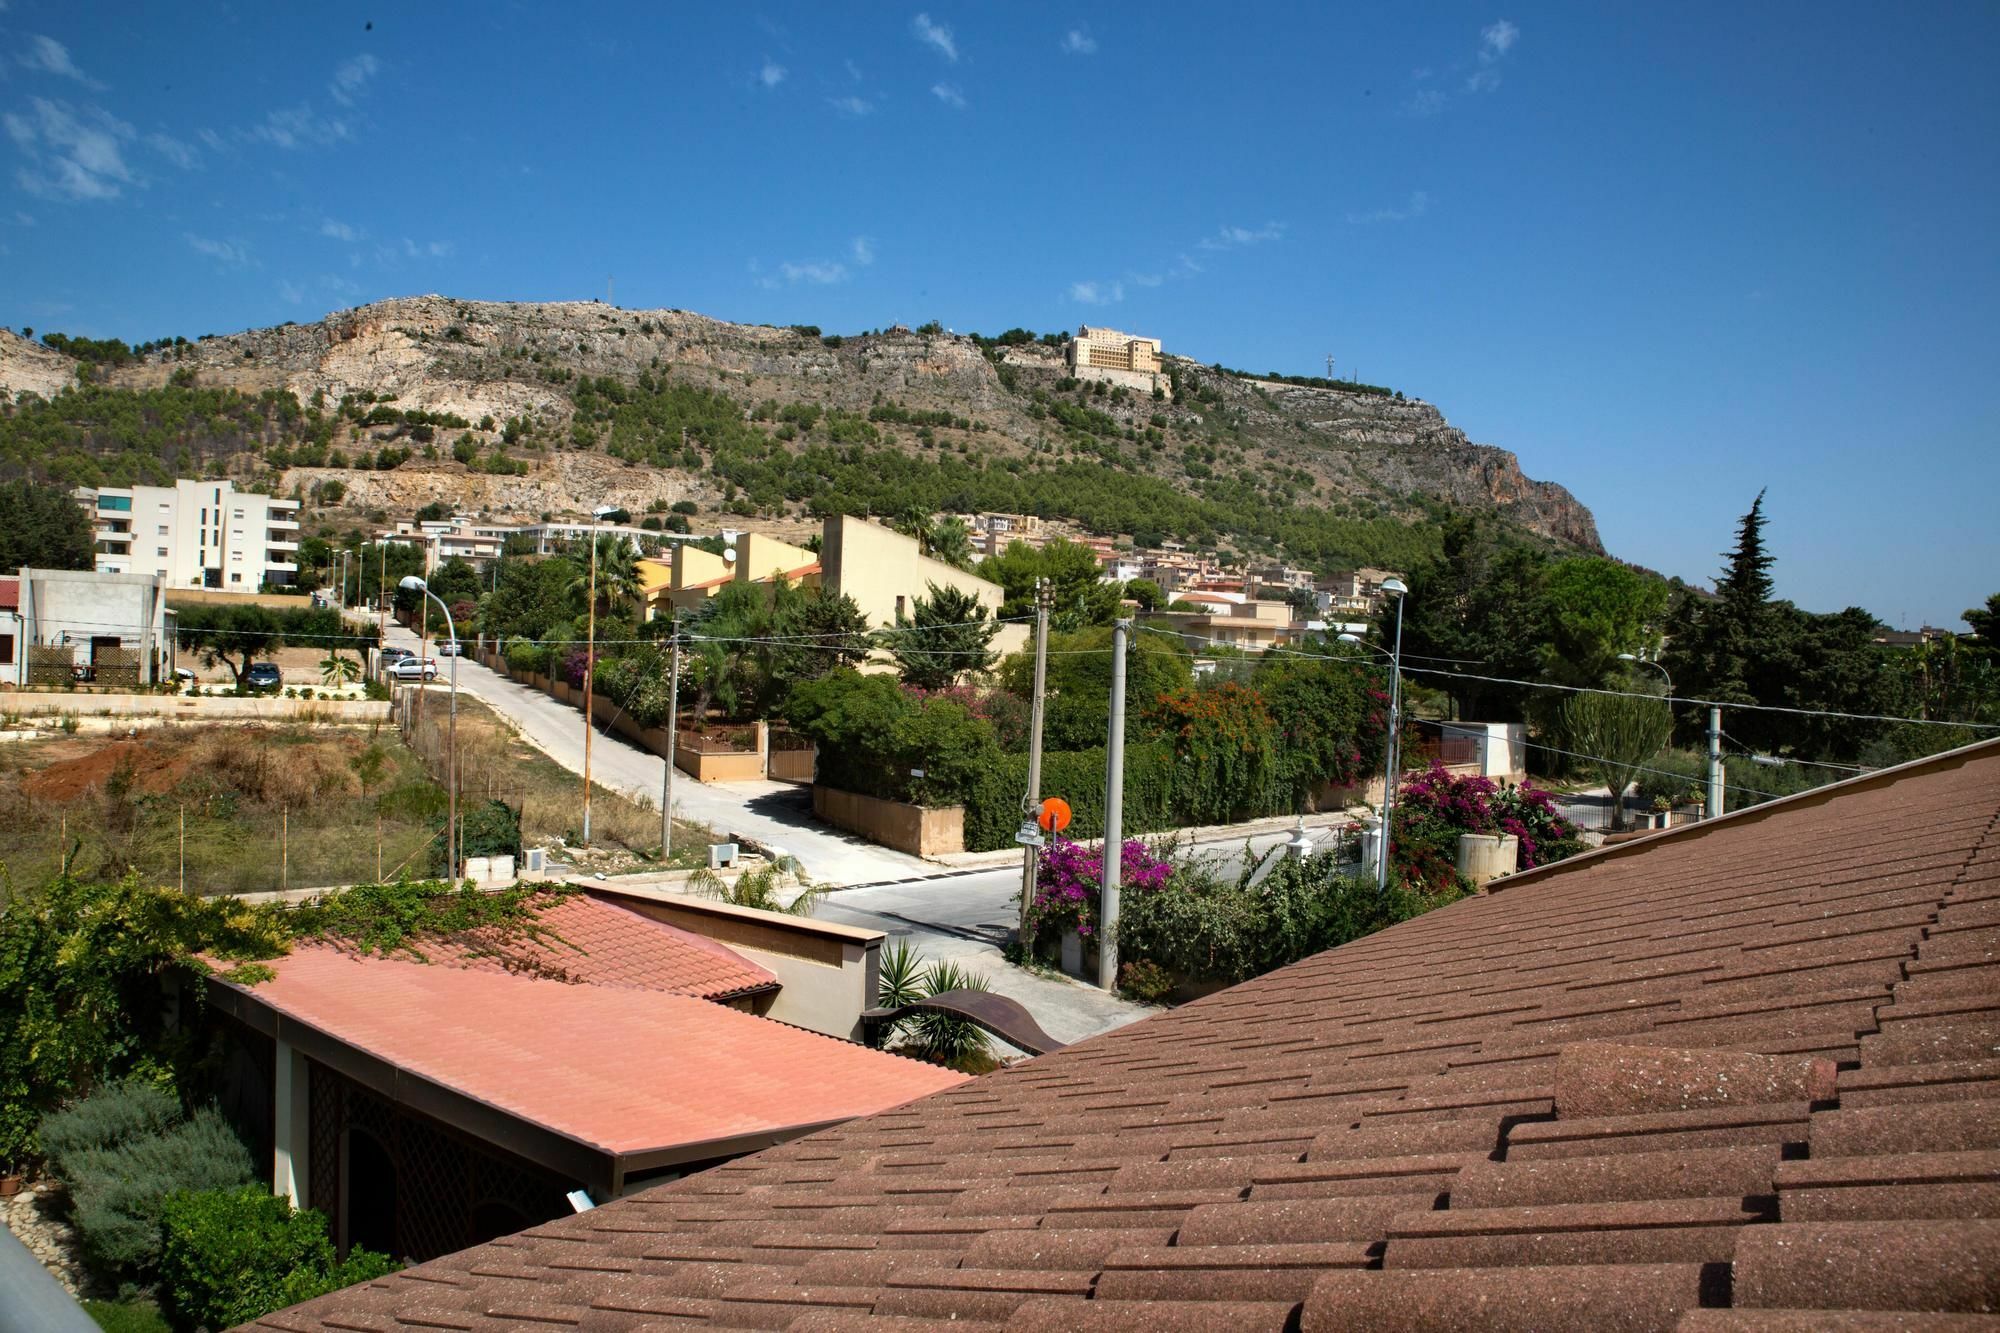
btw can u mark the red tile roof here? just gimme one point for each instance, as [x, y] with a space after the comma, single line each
[589, 940]
[10, 593]
[1745, 1076]
[625, 1070]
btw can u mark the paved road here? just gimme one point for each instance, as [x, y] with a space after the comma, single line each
[776, 814]
[969, 917]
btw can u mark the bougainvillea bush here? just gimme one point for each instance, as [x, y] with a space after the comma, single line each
[1069, 884]
[1436, 806]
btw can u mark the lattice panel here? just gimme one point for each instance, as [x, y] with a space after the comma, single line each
[329, 1119]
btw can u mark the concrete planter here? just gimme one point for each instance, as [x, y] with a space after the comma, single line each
[1487, 856]
[1077, 957]
[905, 828]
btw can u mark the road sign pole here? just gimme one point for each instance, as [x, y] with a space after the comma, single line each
[1044, 593]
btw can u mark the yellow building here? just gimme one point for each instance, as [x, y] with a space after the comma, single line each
[885, 573]
[694, 575]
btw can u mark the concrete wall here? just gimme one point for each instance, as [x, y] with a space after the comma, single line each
[828, 973]
[255, 708]
[791, 765]
[905, 828]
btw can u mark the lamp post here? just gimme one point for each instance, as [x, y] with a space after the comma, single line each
[1647, 661]
[412, 583]
[1395, 588]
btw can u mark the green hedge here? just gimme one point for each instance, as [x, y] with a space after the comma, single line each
[231, 1256]
[993, 805]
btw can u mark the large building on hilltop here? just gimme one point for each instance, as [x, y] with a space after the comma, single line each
[1119, 358]
[197, 534]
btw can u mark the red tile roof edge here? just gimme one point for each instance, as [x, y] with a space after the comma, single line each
[1881, 777]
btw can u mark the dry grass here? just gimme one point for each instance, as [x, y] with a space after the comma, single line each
[232, 809]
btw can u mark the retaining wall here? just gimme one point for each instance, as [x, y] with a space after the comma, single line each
[904, 828]
[261, 707]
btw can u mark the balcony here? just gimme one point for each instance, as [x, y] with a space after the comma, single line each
[283, 519]
[279, 542]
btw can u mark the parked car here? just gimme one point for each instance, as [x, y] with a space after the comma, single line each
[414, 668]
[391, 653]
[450, 648]
[264, 676]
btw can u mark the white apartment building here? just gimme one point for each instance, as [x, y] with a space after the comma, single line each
[196, 534]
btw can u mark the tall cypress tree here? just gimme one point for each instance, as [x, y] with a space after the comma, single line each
[1745, 585]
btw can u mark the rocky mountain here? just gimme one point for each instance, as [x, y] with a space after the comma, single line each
[522, 409]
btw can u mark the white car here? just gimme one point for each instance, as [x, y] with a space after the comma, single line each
[413, 668]
[450, 648]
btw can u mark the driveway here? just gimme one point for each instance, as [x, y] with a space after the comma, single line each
[775, 814]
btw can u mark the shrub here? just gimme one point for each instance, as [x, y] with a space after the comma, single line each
[122, 1152]
[230, 1256]
[1205, 928]
[1144, 981]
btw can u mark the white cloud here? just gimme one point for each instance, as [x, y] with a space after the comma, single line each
[1236, 238]
[290, 292]
[935, 34]
[1419, 204]
[1427, 102]
[350, 78]
[851, 106]
[948, 94]
[46, 55]
[71, 154]
[339, 231]
[863, 250]
[23, 219]
[1096, 293]
[1496, 39]
[772, 74]
[427, 249]
[819, 272]
[233, 253]
[177, 151]
[1079, 42]
[293, 127]
[1146, 279]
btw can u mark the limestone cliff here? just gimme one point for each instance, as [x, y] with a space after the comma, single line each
[492, 362]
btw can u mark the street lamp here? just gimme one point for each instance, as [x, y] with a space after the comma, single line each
[412, 583]
[1634, 657]
[1395, 588]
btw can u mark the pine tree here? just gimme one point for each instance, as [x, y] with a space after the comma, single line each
[1745, 586]
[947, 635]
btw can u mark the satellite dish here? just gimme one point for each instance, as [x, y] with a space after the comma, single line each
[729, 553]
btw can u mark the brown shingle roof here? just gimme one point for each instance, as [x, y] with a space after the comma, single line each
[1690, 1083]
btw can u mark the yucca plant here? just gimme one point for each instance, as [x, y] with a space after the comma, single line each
[904, 978]
[337, 670]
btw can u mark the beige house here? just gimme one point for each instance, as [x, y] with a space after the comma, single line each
[885, 573]
[1119, 358]
[1250, 625]
[693, 575]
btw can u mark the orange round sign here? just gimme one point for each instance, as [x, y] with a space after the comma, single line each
[1055, 814]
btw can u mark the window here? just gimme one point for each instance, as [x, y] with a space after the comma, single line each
[6, 650]
[120, 503]
[239, 513]
[161, 552]
[166, 508]
[236, 578]
[163, 529]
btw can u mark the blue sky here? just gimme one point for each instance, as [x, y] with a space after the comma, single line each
[1669, 256]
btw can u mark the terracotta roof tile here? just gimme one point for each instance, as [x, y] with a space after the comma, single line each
[557, 1055]
[1715, 1080]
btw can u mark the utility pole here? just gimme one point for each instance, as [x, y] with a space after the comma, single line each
[673, 729]
[589, 679]
[1395, 588]
[1044, 594]
[1717, 797]
[382, 602]
[1114, 814]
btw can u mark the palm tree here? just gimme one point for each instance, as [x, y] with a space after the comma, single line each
[337, 670]
[951, 541]
[617, 575]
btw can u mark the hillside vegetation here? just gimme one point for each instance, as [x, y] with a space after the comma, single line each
[482, 404]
